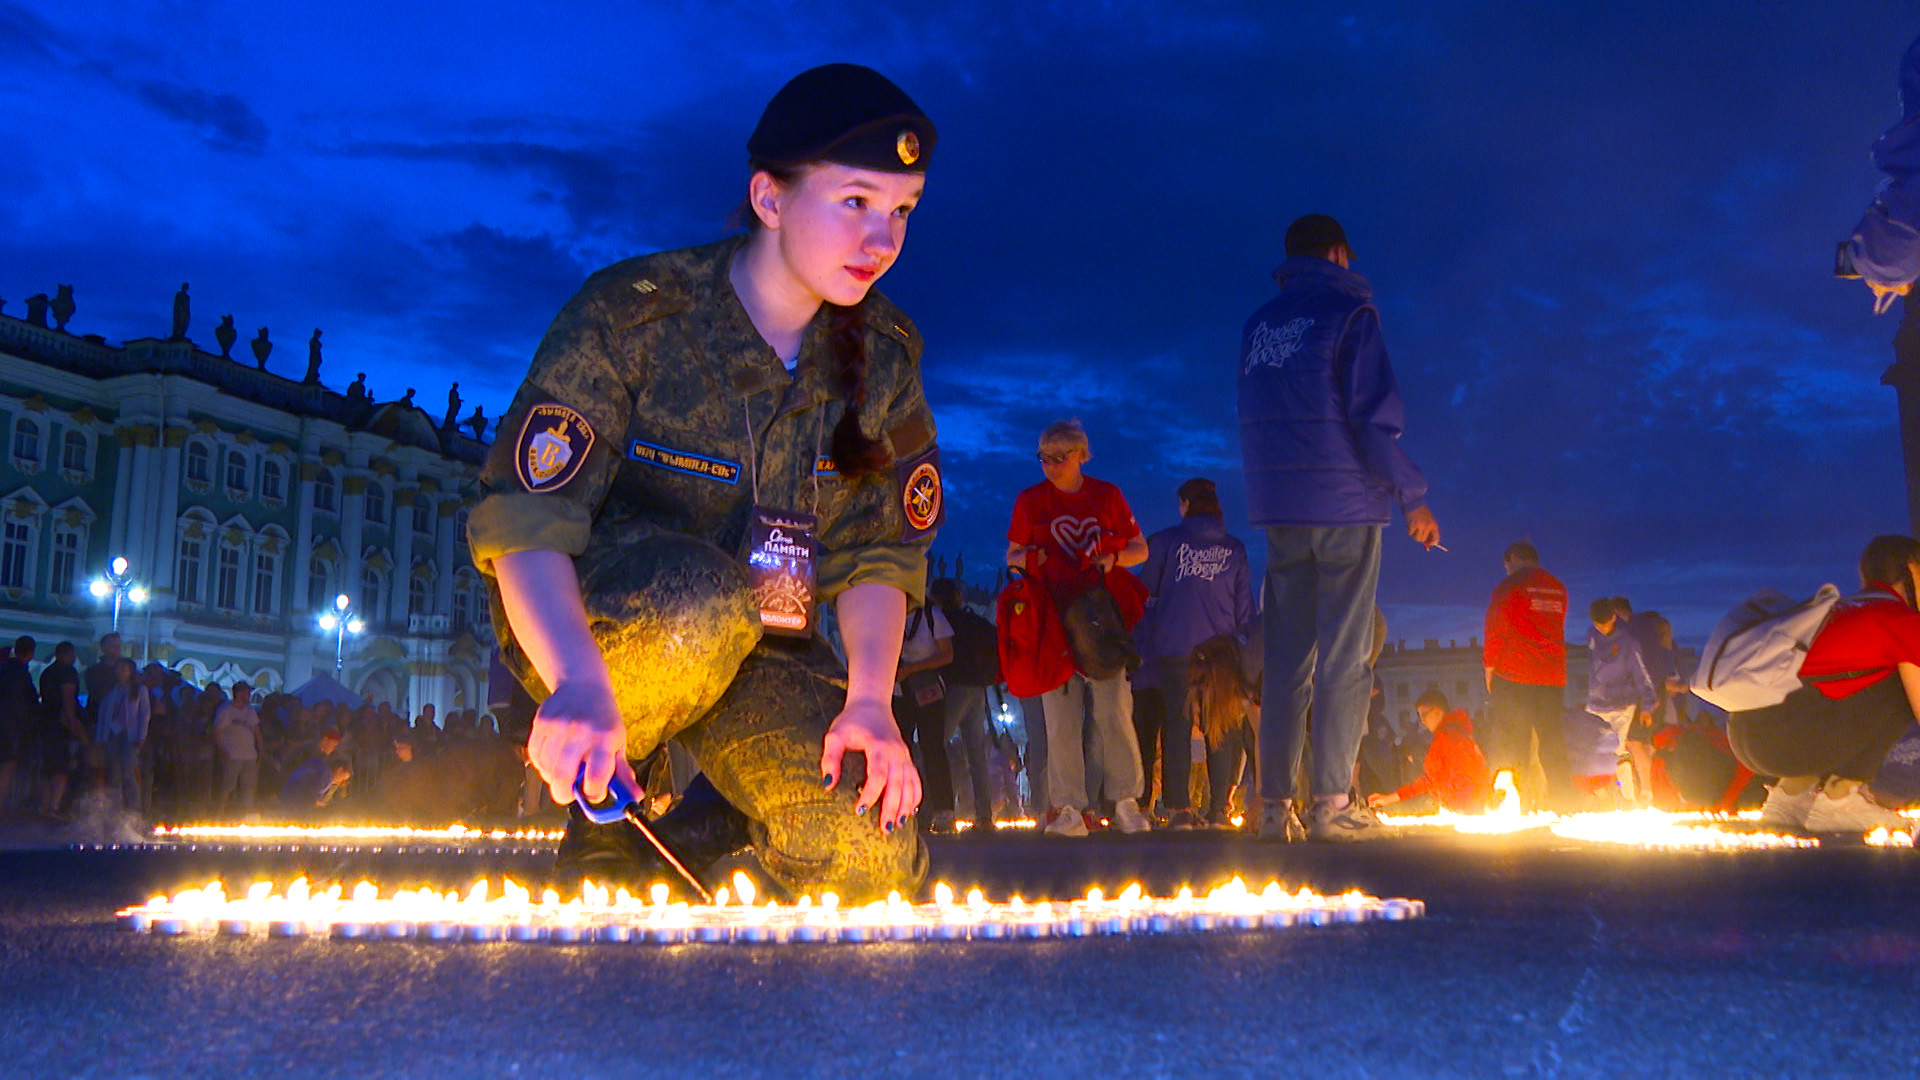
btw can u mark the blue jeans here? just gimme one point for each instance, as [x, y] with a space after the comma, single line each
[1319, 631]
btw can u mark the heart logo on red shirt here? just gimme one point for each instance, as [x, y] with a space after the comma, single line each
[1077, 535]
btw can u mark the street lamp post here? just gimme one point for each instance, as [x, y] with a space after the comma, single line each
[118, 583]
[340, 622]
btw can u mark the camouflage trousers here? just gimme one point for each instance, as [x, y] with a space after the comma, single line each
[678, 627]
[760, 747]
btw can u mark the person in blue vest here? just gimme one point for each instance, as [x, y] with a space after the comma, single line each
[1320, 423]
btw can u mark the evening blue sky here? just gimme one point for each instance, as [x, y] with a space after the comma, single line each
[1600, 235]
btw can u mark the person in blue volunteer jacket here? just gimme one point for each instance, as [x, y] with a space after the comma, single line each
[1320, 422]
[1199, 587]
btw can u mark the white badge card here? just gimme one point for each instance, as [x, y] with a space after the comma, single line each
[781, 554]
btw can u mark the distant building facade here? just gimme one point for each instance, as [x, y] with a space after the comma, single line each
[245, 502]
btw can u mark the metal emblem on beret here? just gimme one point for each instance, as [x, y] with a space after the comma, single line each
[907, 145]
[553, 445]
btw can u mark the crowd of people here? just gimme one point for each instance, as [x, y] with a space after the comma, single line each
[705, 528]
[145, 741]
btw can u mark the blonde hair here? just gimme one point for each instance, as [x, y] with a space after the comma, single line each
[1066, 433]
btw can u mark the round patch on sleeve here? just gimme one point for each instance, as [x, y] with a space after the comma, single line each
[921, 496]
[552, 447]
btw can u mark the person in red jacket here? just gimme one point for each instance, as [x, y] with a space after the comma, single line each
[1454, 771]
[1526, 661]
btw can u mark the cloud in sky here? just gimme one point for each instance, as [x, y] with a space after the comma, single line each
[1598, 236]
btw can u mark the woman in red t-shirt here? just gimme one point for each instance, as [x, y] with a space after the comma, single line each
[1069, 530]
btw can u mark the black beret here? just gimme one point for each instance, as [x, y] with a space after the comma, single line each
[846, 114]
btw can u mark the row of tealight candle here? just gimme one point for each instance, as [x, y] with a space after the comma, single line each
[362, 914]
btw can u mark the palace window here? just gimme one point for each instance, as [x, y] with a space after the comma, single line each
[186, 578]
[226, 579]
[26, 442]
[376, 504]
[16, 553]
[66, 562]
[319, 584]
[371, 595]
[199, 463]
[324, 491]
[73, 452]
[266, 580]
[272, 487]
[236, 471]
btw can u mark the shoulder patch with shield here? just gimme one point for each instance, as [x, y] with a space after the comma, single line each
[552, 447]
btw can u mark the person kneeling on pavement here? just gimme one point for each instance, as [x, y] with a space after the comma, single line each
[1454, 772]
[1861, 693]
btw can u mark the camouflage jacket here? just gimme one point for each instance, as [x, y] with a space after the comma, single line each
[653, 403]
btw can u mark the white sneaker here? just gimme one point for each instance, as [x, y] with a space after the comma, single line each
[1066, 821]
[1128, 818]
[1784, 811]
[1852, 812]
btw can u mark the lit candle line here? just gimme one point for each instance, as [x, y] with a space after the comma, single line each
[424, 915]
[1645, 829]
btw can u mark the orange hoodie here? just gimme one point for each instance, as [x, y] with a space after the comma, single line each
[1454, 770]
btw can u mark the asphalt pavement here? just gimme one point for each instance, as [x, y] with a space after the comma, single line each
[1539, 957]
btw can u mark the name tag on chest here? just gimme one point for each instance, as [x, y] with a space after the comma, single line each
[782, 550]
[681, 461]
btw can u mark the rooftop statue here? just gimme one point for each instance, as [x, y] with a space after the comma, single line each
[182, 311]
[37, 309]
[313, 358]
[225, 334]
[62, 306]
[357, 390]
[453, 409]
[477, 423]
[261, 347]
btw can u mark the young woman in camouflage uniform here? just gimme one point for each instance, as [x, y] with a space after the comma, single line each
[677, 400]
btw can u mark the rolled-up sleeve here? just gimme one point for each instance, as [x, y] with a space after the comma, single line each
[574, 381]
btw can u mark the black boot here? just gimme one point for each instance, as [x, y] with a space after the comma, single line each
[702, 828]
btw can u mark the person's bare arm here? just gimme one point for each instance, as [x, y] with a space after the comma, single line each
[873, 618]
[1017, 555]
[578, 725]
[1910, 682]
[942, 656]
[70, 713]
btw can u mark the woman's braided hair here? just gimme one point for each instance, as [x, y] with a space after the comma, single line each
[855, 453]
